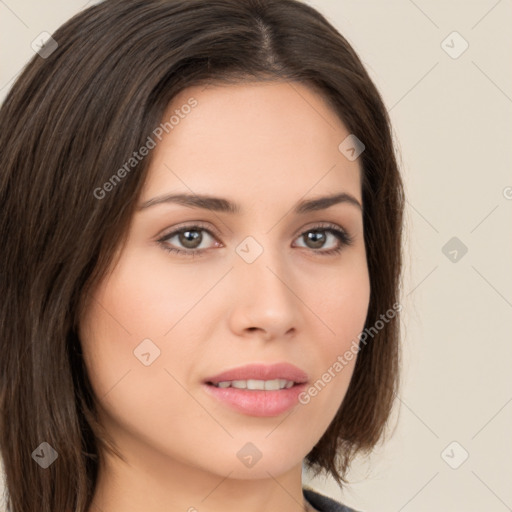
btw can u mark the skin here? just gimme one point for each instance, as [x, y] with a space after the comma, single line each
[265, 146]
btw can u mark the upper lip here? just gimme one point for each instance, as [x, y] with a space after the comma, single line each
[261, 372]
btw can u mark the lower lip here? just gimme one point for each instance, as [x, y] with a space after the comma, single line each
[257, 402]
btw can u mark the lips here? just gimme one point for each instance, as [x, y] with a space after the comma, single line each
[258, 389]
[261, 372]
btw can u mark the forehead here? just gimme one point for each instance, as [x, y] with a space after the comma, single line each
[265, 139]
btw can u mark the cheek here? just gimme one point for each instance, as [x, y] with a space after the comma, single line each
[118, 318]
[342, 304]
[129, 310]
[138, 309]
[342, 308]
[141, 299]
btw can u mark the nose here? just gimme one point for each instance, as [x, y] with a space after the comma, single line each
[265, 301]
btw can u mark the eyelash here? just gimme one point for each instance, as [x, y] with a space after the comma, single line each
[343, 237]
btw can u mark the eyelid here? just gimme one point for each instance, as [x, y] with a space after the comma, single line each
[321, 225]
[187, 225]
[345, 239]
[214, 231]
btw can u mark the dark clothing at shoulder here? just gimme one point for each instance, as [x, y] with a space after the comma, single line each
[324, 503]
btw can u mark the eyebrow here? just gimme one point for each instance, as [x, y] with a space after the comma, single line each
[219, 204]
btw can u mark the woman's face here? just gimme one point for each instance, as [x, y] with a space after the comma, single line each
[262, 289]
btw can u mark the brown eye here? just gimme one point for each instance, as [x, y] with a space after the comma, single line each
[316, 238]
[191, 239]
[187, 239]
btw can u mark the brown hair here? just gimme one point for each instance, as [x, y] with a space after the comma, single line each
[68, 124]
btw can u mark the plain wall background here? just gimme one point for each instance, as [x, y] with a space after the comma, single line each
[453, 124]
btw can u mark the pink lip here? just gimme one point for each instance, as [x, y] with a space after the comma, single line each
[261, 372]
[261, 403]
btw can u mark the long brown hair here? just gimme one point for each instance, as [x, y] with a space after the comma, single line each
[71, 120]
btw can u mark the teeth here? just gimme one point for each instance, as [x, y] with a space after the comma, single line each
[272, 385]
[268, 385]
[240, 384]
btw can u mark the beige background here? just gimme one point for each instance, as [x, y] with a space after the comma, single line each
[452, 119]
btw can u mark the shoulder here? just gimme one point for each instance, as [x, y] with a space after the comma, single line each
[324, 503]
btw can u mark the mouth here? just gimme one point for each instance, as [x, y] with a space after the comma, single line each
[258, 390]
[255, 385]
[260, 377]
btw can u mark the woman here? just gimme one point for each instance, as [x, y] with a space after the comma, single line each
[201, 224]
